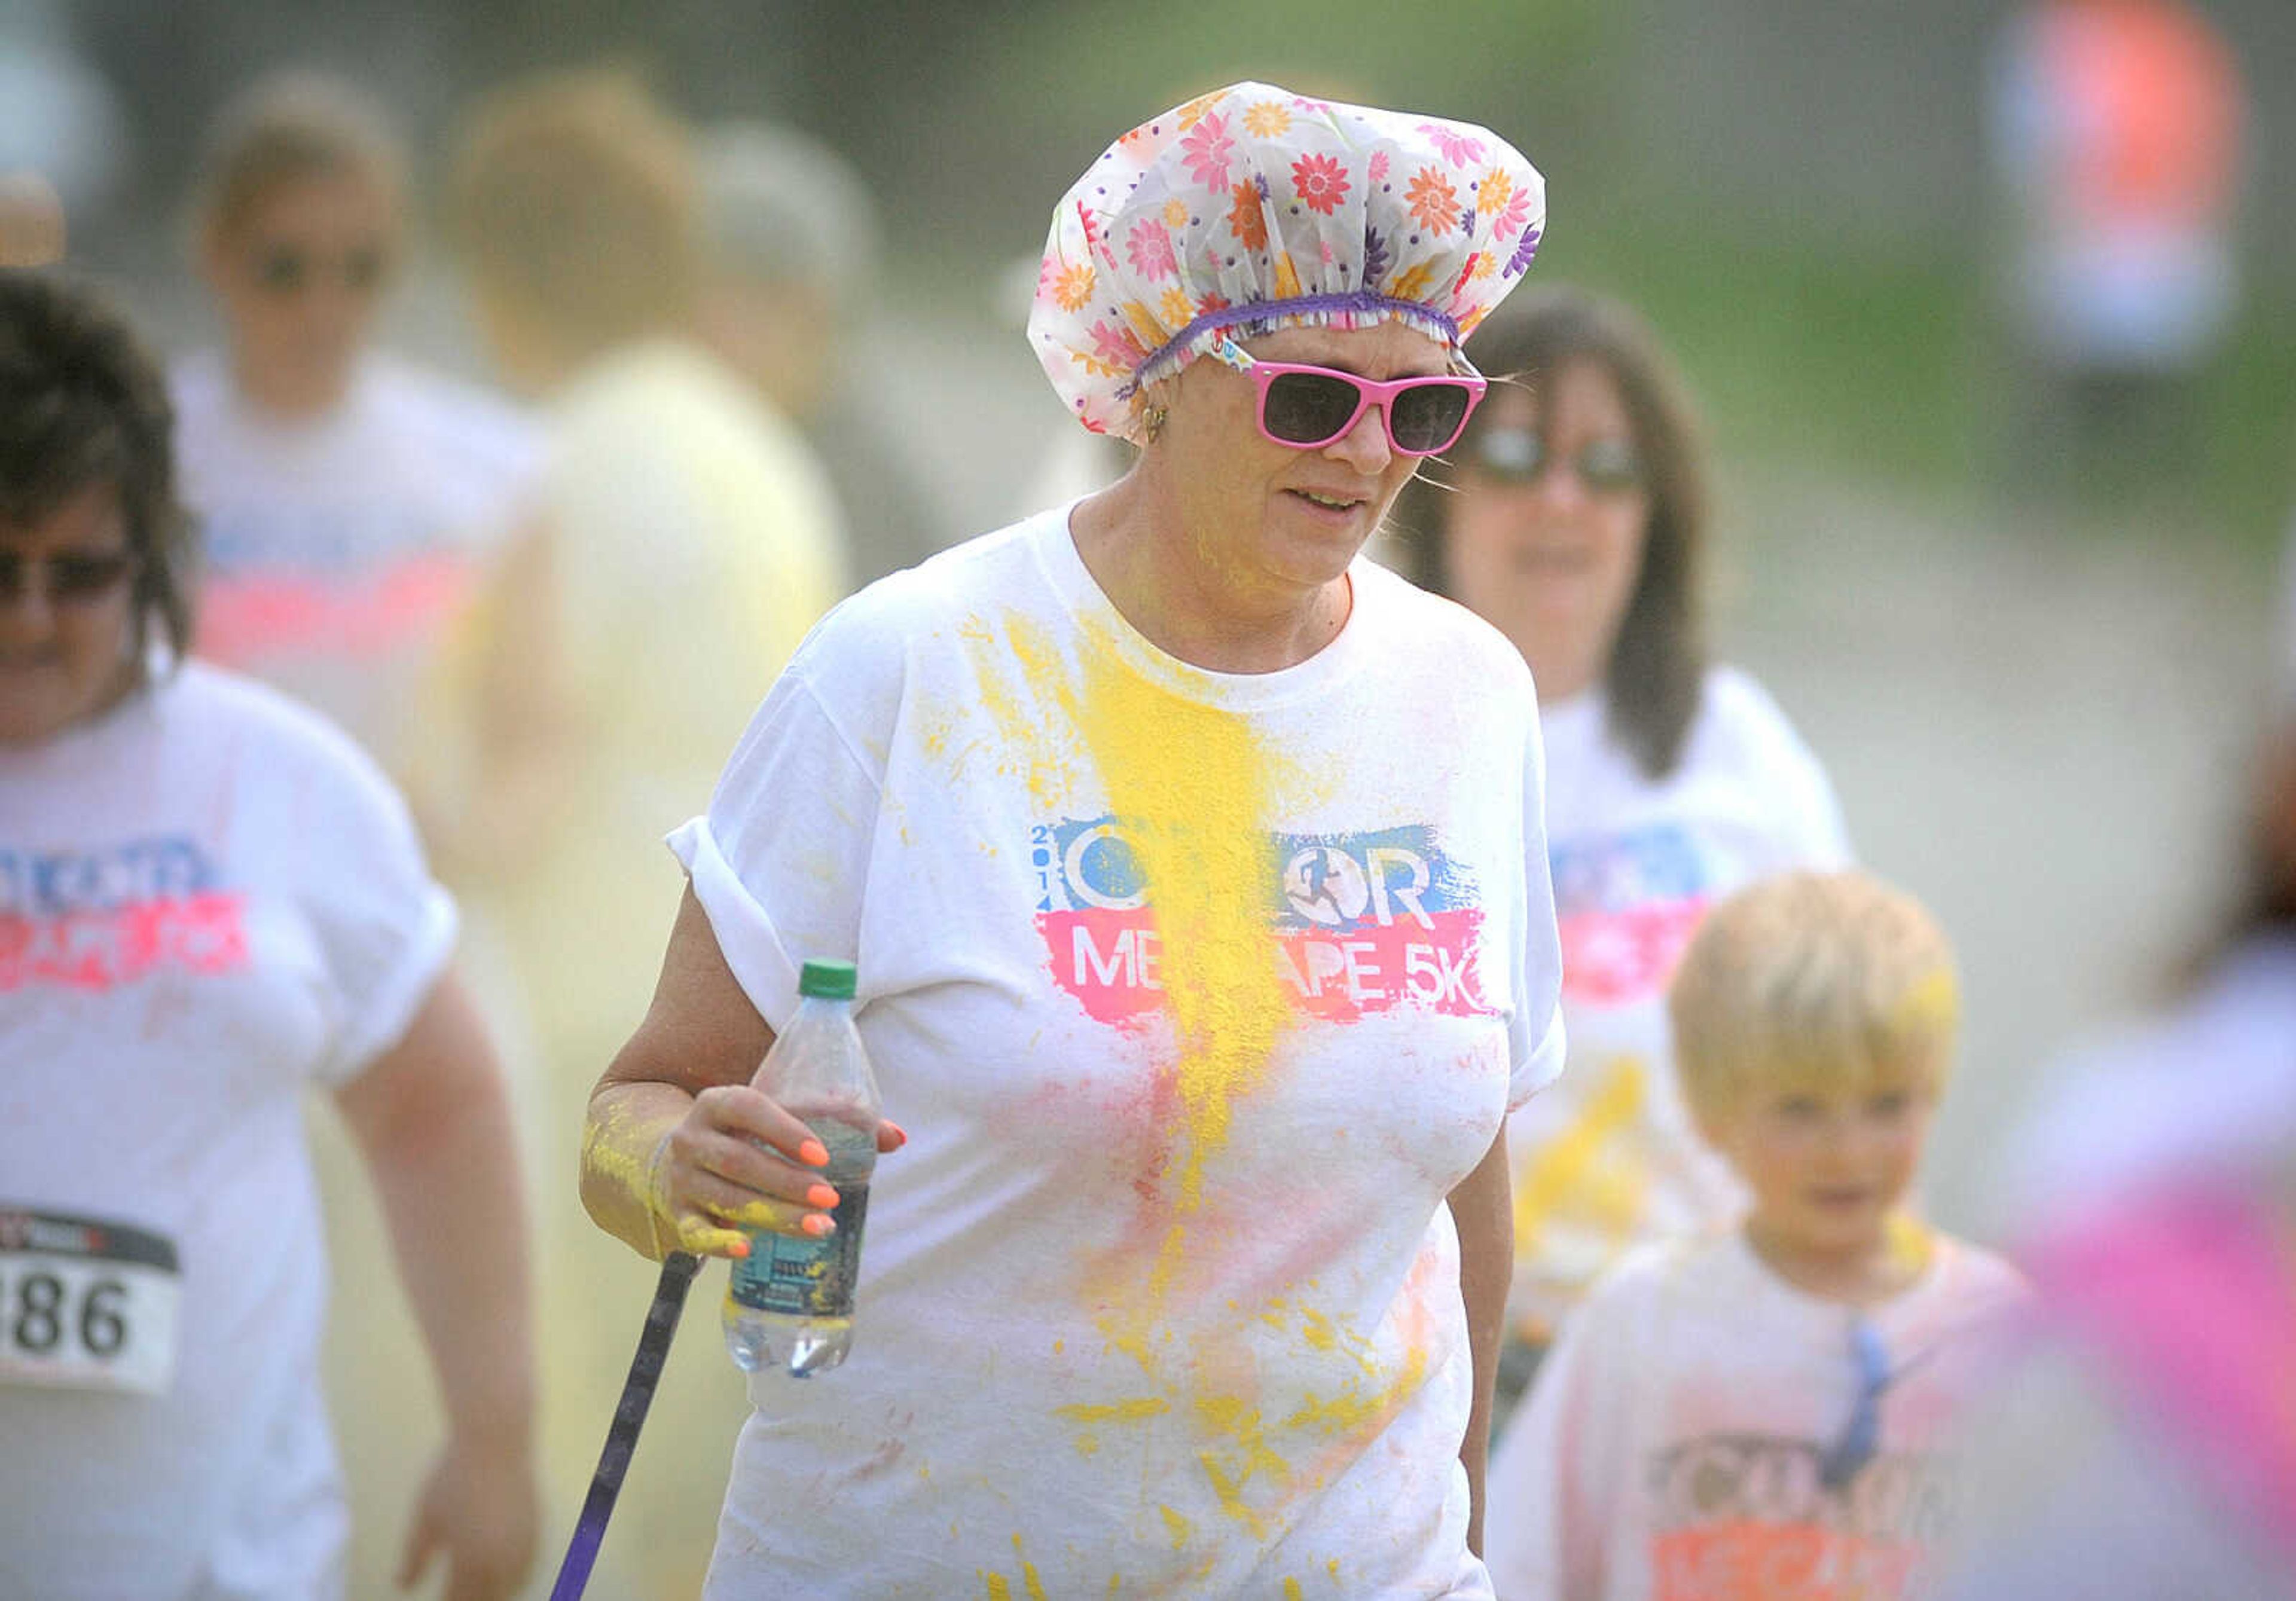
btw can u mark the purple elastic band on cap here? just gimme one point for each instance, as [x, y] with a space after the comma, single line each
[1260, 311]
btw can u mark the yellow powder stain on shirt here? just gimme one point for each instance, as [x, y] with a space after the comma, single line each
[1033, 1586]
[1035, 718]
[1352, 1411]
[1291, 1590]
[1911, 1245]
[1238, 1453]
[1181, 1527]
[1189, 783]
[1000, 1588]
[1193, 791]
[1127, 1411]
[1565, 1171]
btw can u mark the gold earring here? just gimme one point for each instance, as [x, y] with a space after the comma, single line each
[1152, 421]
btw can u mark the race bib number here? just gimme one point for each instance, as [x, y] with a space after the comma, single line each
[86, 1304]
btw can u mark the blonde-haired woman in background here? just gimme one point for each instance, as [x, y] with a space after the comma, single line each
[682, 540]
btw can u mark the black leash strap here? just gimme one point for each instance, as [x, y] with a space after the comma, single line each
[677, 1271]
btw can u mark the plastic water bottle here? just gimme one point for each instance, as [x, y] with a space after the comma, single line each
[789, 1303]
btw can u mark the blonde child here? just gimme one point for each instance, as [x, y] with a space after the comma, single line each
[1760, 1414]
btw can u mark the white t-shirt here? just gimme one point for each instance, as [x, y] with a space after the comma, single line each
[1609, 1158]
[335, 552]
[2208, 1089]
[1670, 1448]
[209, 900]
[1197, 993]
[2124, 1459]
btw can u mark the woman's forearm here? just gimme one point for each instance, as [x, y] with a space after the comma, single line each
[622, 1148]
[433, 1122]
[700, 1038]
[1482, 1211]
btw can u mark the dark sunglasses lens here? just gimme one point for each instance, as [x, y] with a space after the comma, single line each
[282, 272]
[1510, 454]
[85, 577]
[1428, 416]
[1308, 408]
[69, 579]
[1610, 466]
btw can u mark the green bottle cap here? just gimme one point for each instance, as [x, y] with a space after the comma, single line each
[830, 980]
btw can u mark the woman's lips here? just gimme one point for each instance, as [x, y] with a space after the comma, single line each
[1337, 505]
[1841, 1199]
[1548, 559]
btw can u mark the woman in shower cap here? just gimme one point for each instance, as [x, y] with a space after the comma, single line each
[1195, 873]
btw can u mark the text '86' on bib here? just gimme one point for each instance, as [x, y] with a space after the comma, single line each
[86, 1304]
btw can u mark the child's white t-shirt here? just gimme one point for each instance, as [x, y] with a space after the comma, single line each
[1197, 994]
[209, 901]
[1671, 1445]
[1609, 1158]
[335, 553]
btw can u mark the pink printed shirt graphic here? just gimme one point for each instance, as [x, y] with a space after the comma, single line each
[94, 920]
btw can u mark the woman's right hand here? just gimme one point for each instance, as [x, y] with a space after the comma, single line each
[738, 1161]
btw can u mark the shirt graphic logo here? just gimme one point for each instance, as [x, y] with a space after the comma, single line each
[247, 619]
[1749, 1518]
[1360, 922]
[1625, 906]
[95, 920]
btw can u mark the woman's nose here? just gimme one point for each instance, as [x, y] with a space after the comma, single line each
[26, 609]
[1366, 447]
[1560, 486]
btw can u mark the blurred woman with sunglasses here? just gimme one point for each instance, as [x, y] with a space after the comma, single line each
[348, 504]
[1572, 515]
[210, 902]
[1194, 872]
[348, 499]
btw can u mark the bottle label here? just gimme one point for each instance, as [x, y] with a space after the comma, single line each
[798, 1276]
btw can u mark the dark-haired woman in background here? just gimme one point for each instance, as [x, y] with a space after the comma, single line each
[210, 902]
[1573, 517]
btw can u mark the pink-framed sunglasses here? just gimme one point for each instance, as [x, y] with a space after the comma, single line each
[1307, 407]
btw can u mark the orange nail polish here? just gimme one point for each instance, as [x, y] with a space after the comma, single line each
[817, 1224]
[813, 1153]
[739, 1250]
[900, 1135]
[821, 1195]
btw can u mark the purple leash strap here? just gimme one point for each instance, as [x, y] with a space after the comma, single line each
[677, 1271]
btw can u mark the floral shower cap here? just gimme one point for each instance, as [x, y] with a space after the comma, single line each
[1254, 209]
